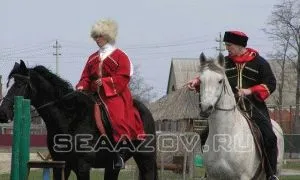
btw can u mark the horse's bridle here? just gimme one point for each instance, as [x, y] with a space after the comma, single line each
[26, 80]
[215, 107]
[224, 89]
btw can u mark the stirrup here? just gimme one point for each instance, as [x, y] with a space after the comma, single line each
[273, 177]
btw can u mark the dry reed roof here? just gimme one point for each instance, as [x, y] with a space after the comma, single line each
[182, 70]
[178, 105]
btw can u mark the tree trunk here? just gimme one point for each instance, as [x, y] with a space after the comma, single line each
[296, 117]
[1, 87]
[281, 85]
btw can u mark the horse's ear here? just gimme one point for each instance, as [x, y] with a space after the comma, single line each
[202, 59]
[23, 67]
[16, 66]
[221, 59]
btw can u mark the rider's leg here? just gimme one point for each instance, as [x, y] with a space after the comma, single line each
[204, 135]
[269, 139]
[122, 148]
[118, 161]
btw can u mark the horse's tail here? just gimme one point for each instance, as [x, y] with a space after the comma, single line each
[149, 127]
[146, 116]
[280, 145]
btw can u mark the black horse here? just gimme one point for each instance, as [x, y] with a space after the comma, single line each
[68, 115]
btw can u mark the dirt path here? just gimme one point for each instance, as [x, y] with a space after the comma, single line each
[5, 161]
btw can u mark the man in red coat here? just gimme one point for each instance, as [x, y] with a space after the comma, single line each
[107, 73]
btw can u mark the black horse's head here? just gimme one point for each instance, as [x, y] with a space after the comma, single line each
[20, 87]
[38, 84]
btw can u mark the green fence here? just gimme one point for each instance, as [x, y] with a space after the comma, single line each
[21, 139]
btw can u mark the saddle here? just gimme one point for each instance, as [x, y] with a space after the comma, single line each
[100, 115]
[259, 144]
[102, 121]
[258, 139]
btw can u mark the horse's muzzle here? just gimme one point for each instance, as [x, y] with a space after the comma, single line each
[206, 113]
[3, 117]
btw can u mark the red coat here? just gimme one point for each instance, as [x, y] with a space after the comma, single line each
[114, 72]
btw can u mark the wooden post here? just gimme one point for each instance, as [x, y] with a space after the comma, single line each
[46, 174]
[191, 163]
[184, 165]
[25, 138]
[162, 166]
[21, 138]
[1, 95]
[15, 159]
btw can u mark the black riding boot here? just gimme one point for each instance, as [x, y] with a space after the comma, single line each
[272, 157]
[204, 135]
[118, 162]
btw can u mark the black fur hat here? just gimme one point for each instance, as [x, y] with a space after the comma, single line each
[236, 37]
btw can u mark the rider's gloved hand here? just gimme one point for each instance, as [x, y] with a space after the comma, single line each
[244, 92]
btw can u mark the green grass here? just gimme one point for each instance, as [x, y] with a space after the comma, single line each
[32, 149]
[132, 174]
[129, 175]
[290, 178]
[98, 175]
[95, 174]
[292, 165]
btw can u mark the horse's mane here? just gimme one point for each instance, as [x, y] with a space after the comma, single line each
[57, 82]
[60, 86]
[212, 65]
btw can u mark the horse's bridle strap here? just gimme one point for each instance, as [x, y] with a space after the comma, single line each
[224, 89]
[223, 109]
[53, 102]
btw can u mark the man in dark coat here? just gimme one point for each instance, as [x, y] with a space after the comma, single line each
[250, 76]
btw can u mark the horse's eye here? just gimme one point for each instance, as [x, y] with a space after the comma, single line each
[220, 81]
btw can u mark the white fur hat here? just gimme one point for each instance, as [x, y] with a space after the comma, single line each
[108, 28]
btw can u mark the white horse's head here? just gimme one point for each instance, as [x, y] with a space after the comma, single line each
[212, 79]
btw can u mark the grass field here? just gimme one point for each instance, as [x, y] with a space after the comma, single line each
[32, 149]
[132, 175]
[292, 165]
[98, 175]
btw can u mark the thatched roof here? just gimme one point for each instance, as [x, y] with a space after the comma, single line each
[182, 70]
[178, 105]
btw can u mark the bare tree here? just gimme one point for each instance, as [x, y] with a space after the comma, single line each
[285, 29]
[1, 88]
[279, 68]
[139, 88]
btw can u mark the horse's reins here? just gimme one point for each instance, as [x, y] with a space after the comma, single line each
[252, 104]
[55, 101]
[224, 89]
